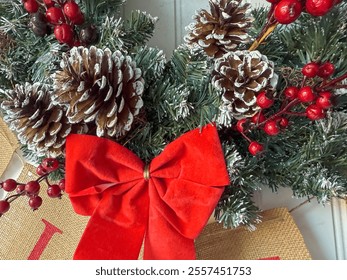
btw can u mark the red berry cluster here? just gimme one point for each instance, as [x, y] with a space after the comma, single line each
[287, 11]
[62, 15]
[315, 100]
[32, 189]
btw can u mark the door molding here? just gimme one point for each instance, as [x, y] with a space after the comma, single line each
[339, 213]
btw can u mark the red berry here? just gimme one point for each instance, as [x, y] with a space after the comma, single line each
[273, 1]
[310, 70]
[55, 15]
[35, 202]
[9, 185]
[318, 7]
[240, 125]
[287, 11]
[41, 171]
[263, 101]
[78, 20]
[271, 128]
[49, 3]
[32, 188]
[62, 184]
[54, 191]
[64, 33]
[326, 70]
[306, 94]
[283, 122]
[258, 118]
[71, 9]
[324, 100]
[291, 92]
[50, 164]
[31, 6]
[4, 206]
[314, 112]
[255, 148]
[20, 189]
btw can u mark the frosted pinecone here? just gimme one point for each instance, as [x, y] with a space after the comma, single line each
[223, 29]
[100, 87]
[241, 76]
[37, 123]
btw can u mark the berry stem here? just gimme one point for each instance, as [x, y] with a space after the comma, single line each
[47, 182]
[14, 197]
[303, 81]
[285, 110]
[269, 27]
[332, 83]
[246, 137]
[298, 114]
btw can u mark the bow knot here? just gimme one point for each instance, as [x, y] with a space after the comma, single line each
[146, 173]
[162, 203]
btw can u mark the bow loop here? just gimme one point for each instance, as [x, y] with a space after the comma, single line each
[170, 201]
[89, 174]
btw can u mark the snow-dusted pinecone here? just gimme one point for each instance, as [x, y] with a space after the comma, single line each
[241, 76]
[39, 124]
[223, 29]
[101, 87]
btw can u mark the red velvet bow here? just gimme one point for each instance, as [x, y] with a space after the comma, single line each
[166, 205]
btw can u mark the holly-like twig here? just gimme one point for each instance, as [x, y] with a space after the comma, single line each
[268, 28]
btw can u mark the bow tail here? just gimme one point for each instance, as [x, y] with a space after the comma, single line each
[166, 243]
[112, 238]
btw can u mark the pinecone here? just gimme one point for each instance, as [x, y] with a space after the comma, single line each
[38, 124]
[222, 30]
[100, 86]
[241, 76]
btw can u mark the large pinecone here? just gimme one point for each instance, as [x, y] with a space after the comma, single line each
[222, 30]
[100, 86]
[38, 124]
[241, 76]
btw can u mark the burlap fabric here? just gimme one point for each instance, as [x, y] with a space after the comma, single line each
[276, 236]
[8, 145]
[21, 228]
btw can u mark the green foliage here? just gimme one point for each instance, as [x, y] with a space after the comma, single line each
[236, 207]
[273, 47]
[138, 29]
[126, 35]
[308, 157]
[310, 39]
[96, 11]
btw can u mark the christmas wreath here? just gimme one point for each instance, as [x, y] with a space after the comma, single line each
[271, 80]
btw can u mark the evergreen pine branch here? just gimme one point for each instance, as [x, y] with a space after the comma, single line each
[138, 29]
[318, 39]
[11, 7]
[47, 61]
[309, 161]
[236, 207]
[110, 34]
[273, 47]
[152, 62]
[96, 11]
[30, 156]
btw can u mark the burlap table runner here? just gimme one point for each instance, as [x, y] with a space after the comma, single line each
[276, 236]
[8, 144]
[52, 232]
